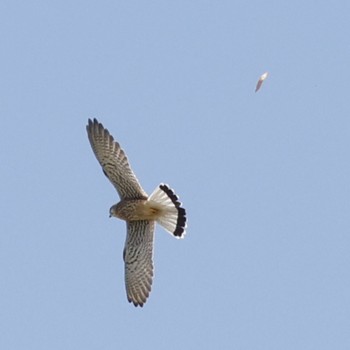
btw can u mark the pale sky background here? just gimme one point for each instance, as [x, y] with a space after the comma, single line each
[264, 176]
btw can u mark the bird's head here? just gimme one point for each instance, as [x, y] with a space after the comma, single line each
[113, 211]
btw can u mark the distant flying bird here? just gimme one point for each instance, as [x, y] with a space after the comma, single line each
[139, 210]
[261, 80]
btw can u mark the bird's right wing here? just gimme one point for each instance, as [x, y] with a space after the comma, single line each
[114, 162]
[138, 258]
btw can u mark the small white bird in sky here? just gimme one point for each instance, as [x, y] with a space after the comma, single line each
[261, 80]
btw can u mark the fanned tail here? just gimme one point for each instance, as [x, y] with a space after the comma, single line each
[171, 215]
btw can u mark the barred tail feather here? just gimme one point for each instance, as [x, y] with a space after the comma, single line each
[172, 216]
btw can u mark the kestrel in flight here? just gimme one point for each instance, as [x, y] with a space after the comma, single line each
[139, 210]
[261, 80]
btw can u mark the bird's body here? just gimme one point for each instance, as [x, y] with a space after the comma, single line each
[261, 80]
[132, 210]
[139, 210]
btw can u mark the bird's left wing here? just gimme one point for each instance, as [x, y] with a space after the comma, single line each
[138, 258]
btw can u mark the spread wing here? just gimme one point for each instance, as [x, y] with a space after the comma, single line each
[114, 162]
[138, 253]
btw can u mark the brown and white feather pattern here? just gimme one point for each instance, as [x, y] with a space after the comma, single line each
[138, 257]
[138, 210]
[114, 162]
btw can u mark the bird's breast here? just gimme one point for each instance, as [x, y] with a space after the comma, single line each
[134, 209]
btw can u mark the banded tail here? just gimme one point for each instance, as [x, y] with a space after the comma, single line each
[172, 217]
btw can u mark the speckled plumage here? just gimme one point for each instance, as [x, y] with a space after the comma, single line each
[138, 210]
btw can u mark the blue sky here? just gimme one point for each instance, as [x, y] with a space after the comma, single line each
[264, 177]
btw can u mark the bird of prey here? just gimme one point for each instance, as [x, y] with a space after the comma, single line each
[139, 210]
[261, 80]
